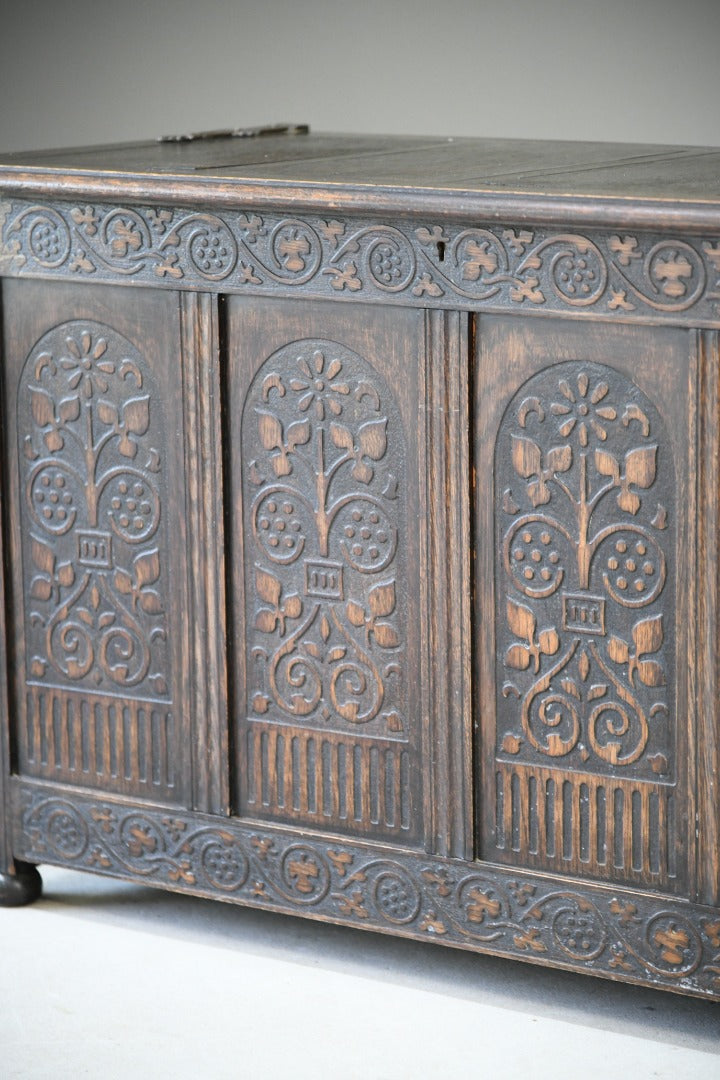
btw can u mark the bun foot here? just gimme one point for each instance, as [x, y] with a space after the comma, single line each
[21, 887]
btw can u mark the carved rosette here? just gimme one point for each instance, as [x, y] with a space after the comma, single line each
[325, 570]
[585, 603]
[92, 488]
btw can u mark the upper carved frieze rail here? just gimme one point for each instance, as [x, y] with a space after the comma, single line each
[615, 275]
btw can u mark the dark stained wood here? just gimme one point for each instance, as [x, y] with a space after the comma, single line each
[705, 671]
[19, 883]
[410, 161]
[97, 537]
[325, 441]
[588, 752]
[412, 623]
[447, 581]
[206, 555]
[608, 931]
[622, 185]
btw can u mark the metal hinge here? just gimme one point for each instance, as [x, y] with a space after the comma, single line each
[240, 133]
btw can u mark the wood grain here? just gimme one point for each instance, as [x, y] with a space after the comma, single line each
[99, 660]
[567, 738]
[359, 504]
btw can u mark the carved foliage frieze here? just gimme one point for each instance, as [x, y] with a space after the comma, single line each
[325, 551]
[586, 555]
[91, 494]
[500, 268]
[600, 930]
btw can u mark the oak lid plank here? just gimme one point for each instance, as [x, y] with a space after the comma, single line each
[494, 179]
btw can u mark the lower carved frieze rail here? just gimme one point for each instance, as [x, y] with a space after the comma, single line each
[615, 933]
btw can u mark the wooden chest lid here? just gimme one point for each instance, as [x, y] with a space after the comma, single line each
[287, 165]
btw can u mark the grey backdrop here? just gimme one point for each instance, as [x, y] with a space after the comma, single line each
[107, 70]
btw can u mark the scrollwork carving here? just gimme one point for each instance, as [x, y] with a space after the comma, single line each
[93, 568]
[586, 533]
[325, 576]
[481, 268]
[594, 929]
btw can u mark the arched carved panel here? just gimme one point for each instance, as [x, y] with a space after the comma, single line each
[586, 763]
[328, 726]
[92, 505]
[96, 700]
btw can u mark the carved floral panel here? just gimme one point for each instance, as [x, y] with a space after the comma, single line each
[90, 431]
[585, 608]
[325, 563]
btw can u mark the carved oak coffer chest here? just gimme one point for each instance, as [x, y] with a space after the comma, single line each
[360, 529]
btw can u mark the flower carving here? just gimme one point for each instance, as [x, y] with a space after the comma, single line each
[320, 386]
[87, 365]
[583, 409]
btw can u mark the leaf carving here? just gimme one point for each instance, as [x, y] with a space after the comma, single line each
[607, 464]
[518, 656]
[386, 635]
[619, 650]
[559, 458]
[147, 567]
[362, 472]
[526, 456]
[69, 409]
[570, 687]
[640, 466]
[355, 613]
[43, 556]
[66, 574]
[150, 602]
[265, 620]
[268, 586]
[43, 408]
[127, 447]
[648, 635]
[271, 432]
[341, 436]
[651, 673]
[539, 492]
[41, 587]
[136, 415]
[520, 619]
[549, 642]
[107, 412]
[292, 607]
[298, 434]
[123, 582]
[382, 599]
[628, 501]
[54, 440]
[372, 439]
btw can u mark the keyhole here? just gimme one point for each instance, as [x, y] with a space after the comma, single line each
[441, 250]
